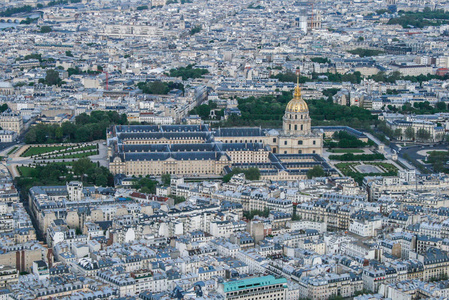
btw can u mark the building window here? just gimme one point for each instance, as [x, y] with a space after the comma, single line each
[299, 151]
[296, 117]
[289, 126]
[314, 142]
[285, 142]
[296, 127]
[302, 127]
[313, 151]
[274, 150]
[274, 140]
[299, 142]
[285, 152]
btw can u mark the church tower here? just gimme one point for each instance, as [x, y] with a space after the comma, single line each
[296, 120]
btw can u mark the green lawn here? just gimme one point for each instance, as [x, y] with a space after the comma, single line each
[80, 155]
[12, 150]
[387, 166]
[25, 171]
[391, 170]
[345, 151]
[90, 147]
[32, 150]
[345, 168]
[47, 149]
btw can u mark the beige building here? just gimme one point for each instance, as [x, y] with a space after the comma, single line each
[435, 133]
[325, 286]
[22, 256]
[6, 88]
[413, 70]
[196, 150]
[11, 121]
[8, 275]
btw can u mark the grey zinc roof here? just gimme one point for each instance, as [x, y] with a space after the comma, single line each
[240, 131]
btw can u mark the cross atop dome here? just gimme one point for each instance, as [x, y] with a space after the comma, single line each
[296, 120]
[297, 94]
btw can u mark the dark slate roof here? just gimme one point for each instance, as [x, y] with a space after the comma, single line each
[194, 155]
[144, 148]
[160, 128]
[166, 135]
[239, 131]
[241, 146]
[193, 147]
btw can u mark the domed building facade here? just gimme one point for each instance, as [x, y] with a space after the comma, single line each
[296, 118]
[186, 150]
[297, 136]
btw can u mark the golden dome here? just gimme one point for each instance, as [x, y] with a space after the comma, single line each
[297, 104]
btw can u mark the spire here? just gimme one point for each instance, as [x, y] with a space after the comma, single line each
[297, 94]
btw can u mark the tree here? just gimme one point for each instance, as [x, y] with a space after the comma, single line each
[409, 133]
[166, 179]
[422, 134]
[316, 171]
[397, 133]
[52, 77]
[441, 106]
[101, 180]
[30, 137]
[178, 199]
[195, 29]
[59, 133]
[366, 52]
[46, 29]
[69, 53]
[146, 185]
[203, 111]
[155, 87]
[321, 60]
[68, 130]
[81, 167]
[250, 174]
[255, 212]
[159, 88]
[188, 72]
[86, 128]
[3, 107]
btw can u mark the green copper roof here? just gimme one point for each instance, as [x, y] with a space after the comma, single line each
[252, 283]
